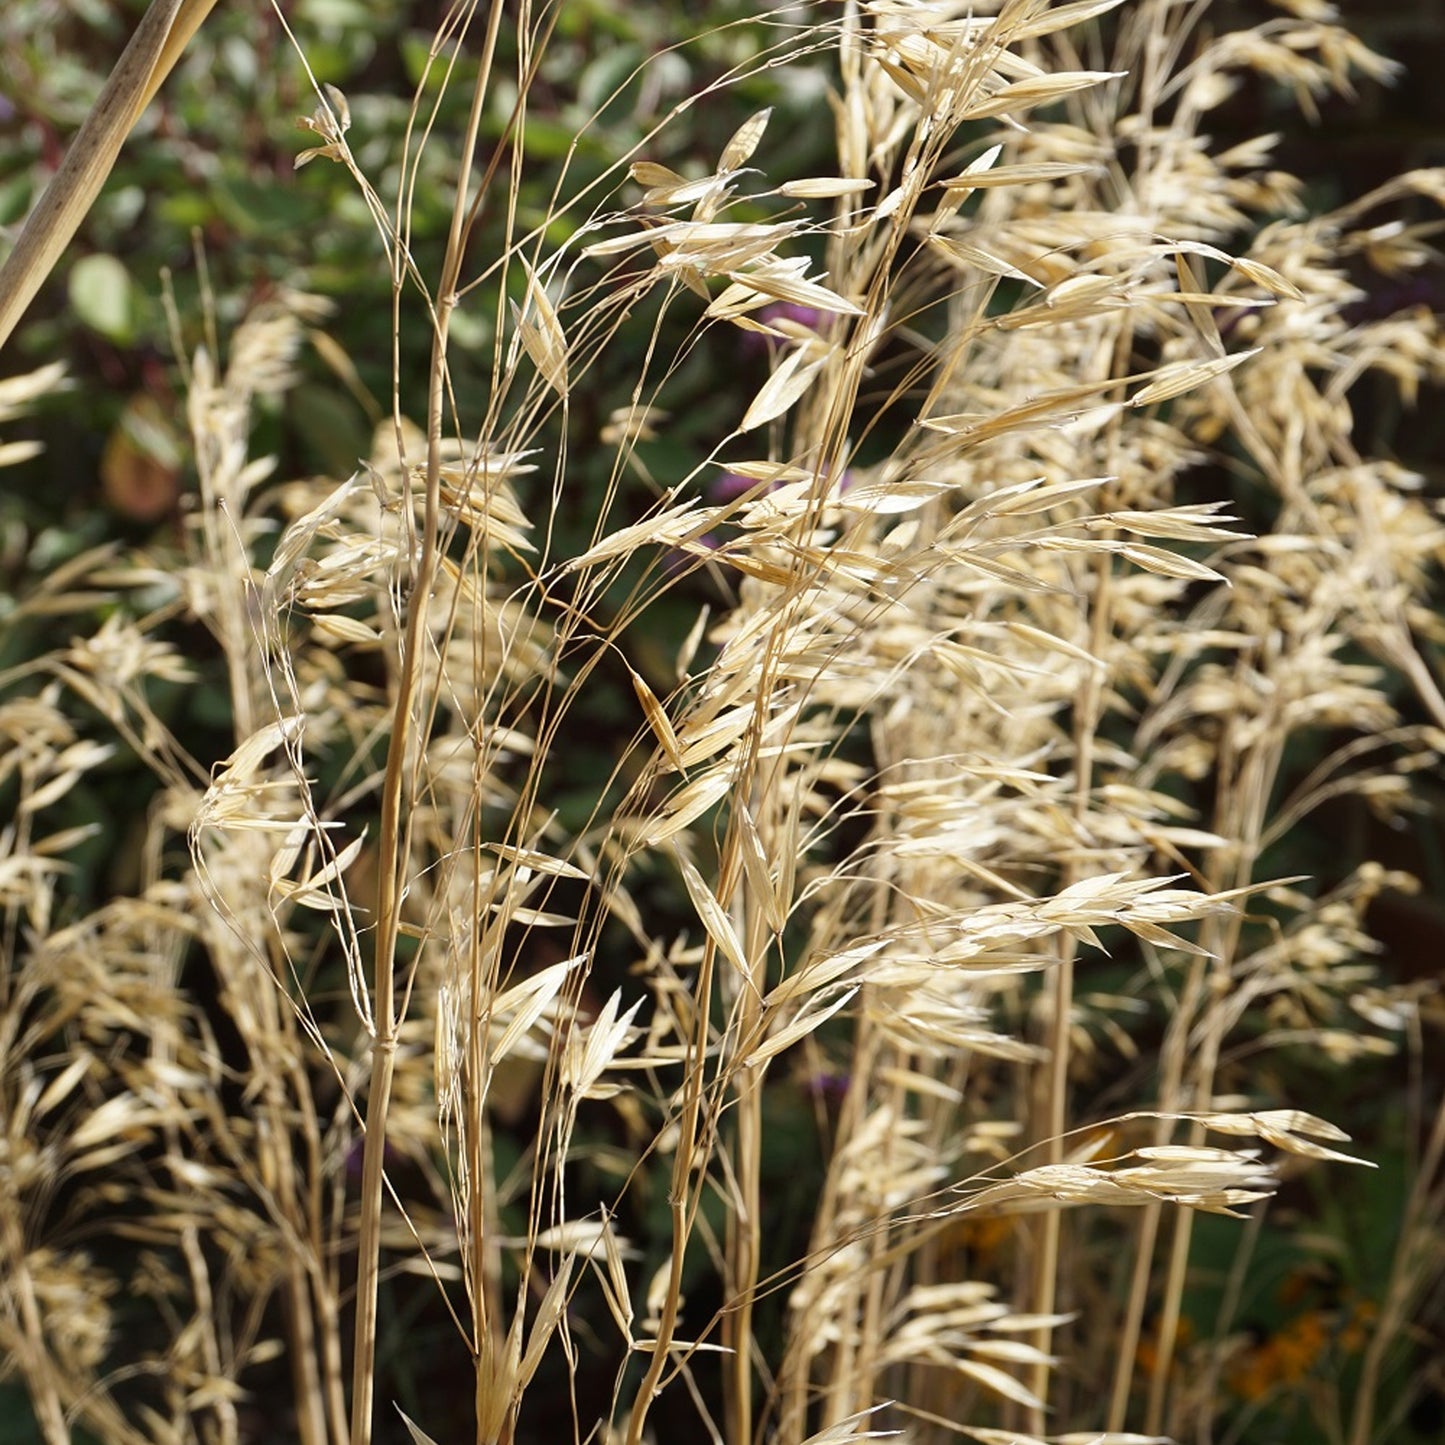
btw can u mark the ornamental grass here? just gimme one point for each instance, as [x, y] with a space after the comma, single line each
[790, 940]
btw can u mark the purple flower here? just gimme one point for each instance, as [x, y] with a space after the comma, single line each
[774, 312]
[390, 1158]
[678, 561]
[829, 1084]
[729, 487]
[795, 311]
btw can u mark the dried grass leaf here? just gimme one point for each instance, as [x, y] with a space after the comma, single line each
[1181, 376]
[1036, 90]
[418, 1435]
[739, 149]
[712, 914]
[685, 806]
[527, 1001]
[845, 1431]
[657, 718]
[540, 331]
[783, 389]
[998, 1382]
[825, 187]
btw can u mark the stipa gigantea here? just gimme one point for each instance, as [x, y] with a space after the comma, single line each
[946, 737]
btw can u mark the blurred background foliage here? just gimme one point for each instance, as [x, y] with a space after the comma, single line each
[206, 199]
[211, 173]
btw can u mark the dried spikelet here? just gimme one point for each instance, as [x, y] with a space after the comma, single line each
[18, 394]
[539, 330]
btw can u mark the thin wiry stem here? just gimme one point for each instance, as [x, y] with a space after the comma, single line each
[398, 787]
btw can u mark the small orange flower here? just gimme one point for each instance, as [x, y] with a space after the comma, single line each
[1284, 1358]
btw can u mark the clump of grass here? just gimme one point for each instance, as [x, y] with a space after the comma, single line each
[966, 786]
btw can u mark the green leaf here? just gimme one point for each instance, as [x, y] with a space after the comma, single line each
[259, 207]
[102, 293]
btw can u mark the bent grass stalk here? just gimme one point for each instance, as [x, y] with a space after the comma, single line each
[147, 60]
